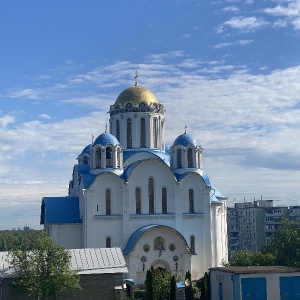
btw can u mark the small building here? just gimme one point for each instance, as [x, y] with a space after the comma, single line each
[101, 272]
[255, 282]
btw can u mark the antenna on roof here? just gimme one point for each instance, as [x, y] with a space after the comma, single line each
[105, 127]
[185, 127]
[136, 78]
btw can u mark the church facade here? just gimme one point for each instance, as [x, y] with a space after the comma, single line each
[130, 190]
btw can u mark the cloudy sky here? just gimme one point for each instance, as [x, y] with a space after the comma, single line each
[229, 70]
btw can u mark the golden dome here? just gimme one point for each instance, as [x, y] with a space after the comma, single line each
[136, 95]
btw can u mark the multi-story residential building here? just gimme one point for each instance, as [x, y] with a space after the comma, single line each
[252, 224]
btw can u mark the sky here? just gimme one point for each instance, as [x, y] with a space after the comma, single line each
[228, 70]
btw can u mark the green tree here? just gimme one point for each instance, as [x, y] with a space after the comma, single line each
[149, 284]
[285, 245]
[203, 285]
[188, 286]
[44, 271]
[173, 288]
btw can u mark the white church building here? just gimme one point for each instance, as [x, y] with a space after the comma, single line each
[130, 190]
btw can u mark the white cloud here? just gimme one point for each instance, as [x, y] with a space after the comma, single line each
[6, 120]
[245, 24]
[235, 43]
[33, 94]
[45, 116]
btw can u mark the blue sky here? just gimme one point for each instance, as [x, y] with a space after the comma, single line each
[229, 70]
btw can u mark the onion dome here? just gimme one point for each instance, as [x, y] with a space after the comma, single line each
[184, 140]
[106, 139]
[136, 95]
[86, 150]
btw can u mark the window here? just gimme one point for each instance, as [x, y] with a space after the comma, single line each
[108, 242]
[164, 200]
[108, 201]
[179, 158]
[143, 133]
[190, 158]
[154, 133]
[129, 133]
[138, 207]
[98, 157]
[191, 200]
[109, 156]
[192, 245]
[118, 130]
[151, 195]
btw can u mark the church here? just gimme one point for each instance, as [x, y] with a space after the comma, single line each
[130, 190]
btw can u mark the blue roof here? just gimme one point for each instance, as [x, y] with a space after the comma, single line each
[83, 169]
[87, 150]
[60, 210]
[134, 237]
[161, 154]
[88, 179]
[184, 140]
[106, 139]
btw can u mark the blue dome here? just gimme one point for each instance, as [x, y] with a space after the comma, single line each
[87, 150]
[106, 139]
[184, 140]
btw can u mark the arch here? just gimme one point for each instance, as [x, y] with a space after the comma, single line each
[190, 157]
[151, 195]
[108, 202]
[109, 156]
[191, 201]
[179, 158]
[154, 133]
[161, 264]
[118, 130]
[98, 157]
[164, 200]
[143, 133]
[138, 204]
[108, 242]
[129, 133]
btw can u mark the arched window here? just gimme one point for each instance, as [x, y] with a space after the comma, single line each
[118, 130]
[129, 133]
[108, 242]
[154, 133]
[179, 158]
[118, 157]
[143, 133]
[138, 206]
[85, 160]
[190, 158]
[98, 157]
[109, 155]
[151, 195]
[192, 243]
[164, 200]
[108, 201]
[191, 200]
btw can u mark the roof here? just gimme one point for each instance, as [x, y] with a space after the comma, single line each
[184, 140]
[60, 210]
[139, 232]
[84, 261]
[86, 150]
[256, 269]
[136, 95]
[106, 139]
[98, 261]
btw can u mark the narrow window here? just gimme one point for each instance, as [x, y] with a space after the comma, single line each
[190, 158]
[108, 242]
[97, 207]
[129, 133]
[164, 200]
[118, 157]
[109, 155]
[151, 195]
[192, 243]
[108, 201]
[138, 207]
[191, 200]
[118, 130]
[179, 158]
[154, 133]
[98, 157]
[143, 133]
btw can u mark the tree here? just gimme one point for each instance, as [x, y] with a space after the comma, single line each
[285, 245]
[173, 288]
[203, 285]
[44, 271]
[149, 284]
[188, 286]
